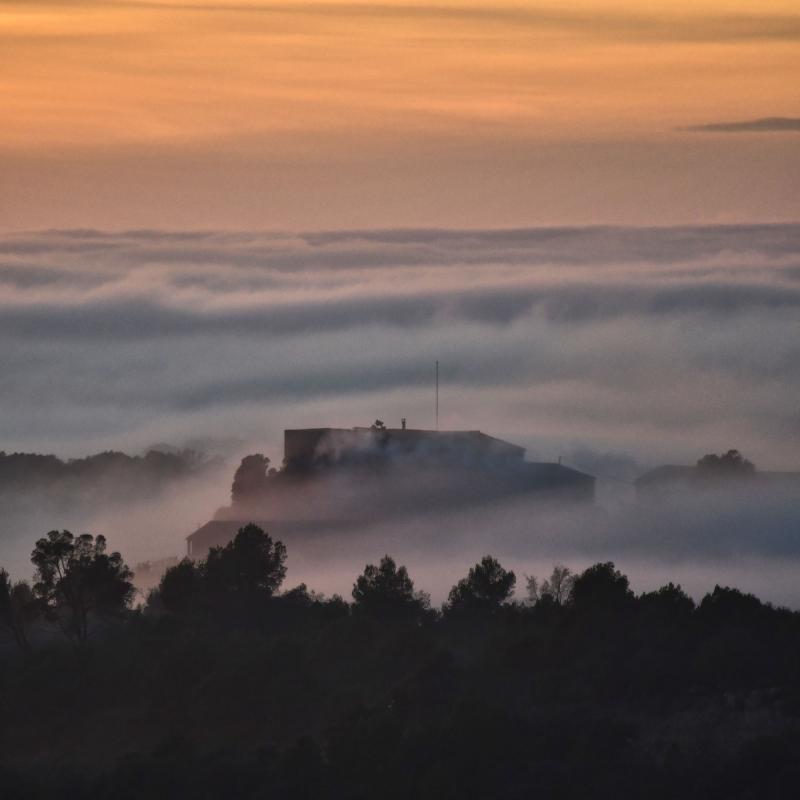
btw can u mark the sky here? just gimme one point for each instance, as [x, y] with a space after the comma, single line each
[299, 116]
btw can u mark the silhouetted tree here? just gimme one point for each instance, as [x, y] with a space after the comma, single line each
[668, 602]
[531, 590]
[486, 587]
[513, 704]
[731, 464]
[601, 587]
[725, 606]
[179, 586]
[738, 632]
[250, 565]
[554, 590]
[18, 608]
[76, 578]
[250, 480]
[252, 562]
[387, 590]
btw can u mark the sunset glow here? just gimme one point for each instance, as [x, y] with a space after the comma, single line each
[185, 101]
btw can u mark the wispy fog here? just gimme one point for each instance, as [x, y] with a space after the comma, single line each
[748, 539]
[618, 349]
[151, 522]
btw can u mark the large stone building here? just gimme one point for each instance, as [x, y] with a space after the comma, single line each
[338, 479]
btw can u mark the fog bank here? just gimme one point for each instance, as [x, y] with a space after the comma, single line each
[660, 343]
[615, 348]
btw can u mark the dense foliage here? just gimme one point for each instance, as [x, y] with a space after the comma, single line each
[105, 477]
[76, 579]
[486, 587]
[386, 591]
[729, 464]
[230, 688]
[250, 481]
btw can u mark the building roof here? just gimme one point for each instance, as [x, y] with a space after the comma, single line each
[304, 447]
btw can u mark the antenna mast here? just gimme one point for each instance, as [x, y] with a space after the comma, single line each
[437, 395]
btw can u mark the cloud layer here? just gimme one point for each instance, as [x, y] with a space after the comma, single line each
[663, 342]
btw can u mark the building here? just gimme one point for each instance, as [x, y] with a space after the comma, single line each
[339, 479]
[314, 448]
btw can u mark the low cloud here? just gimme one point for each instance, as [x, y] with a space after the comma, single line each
[614, 348]
[657, 342]
[762, 125]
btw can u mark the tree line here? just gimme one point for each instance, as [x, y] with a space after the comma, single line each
[223, 683]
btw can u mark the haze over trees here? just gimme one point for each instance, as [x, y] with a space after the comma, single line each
[105, 477]
[38, 492]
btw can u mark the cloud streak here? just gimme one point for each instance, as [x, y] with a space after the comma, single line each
[698, 27]
[761, 125]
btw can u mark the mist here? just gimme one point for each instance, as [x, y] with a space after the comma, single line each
[652, 343]
[143, 514]
[747, 540]
[615, 349]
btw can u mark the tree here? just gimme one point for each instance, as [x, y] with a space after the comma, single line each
[387, 590]
[669, 602]
[532, 590]
[486, 587]
[76, 578]
[179, 585]
[250, 563]
[18, 608]
[554, 590]
[249, 566]
[727, 606]
[730, 464]
[250, 480]
[601, 587]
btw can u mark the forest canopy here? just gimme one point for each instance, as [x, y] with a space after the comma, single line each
[222, 682]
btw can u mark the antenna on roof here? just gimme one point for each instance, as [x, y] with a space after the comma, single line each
[437, 395]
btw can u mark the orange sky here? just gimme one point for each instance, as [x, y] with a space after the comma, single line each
[322, 114]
